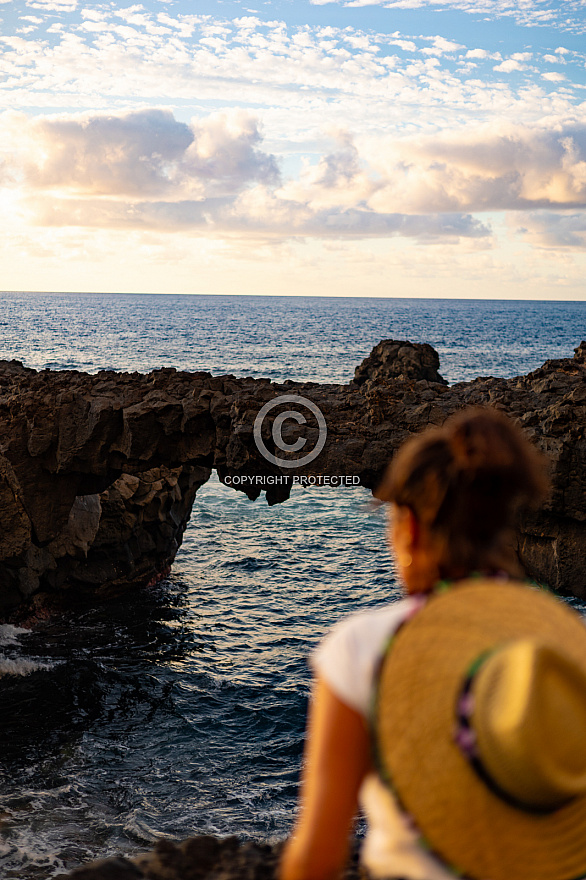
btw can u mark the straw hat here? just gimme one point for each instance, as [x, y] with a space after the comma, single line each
[480, 730]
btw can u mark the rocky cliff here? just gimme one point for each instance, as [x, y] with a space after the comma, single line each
[98, 473]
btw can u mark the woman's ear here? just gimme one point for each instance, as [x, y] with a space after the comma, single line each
[404, 535]
[405, 531]
[416, 553]
[412, 528]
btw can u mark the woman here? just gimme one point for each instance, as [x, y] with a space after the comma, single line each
[455, 492]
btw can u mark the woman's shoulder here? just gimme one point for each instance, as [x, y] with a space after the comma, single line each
[367, 624]
[347, 657]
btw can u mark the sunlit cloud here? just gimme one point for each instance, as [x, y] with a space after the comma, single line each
[482, 170]
[145, 169]
[142, 153]
[213, 173]
[261, 138]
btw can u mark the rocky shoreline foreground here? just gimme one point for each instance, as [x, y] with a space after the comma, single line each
[199, 858]
[99, 473]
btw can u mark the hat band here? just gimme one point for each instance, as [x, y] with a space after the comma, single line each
[466, 740]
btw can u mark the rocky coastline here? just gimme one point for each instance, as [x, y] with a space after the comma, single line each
[199, 858]
[99, 473]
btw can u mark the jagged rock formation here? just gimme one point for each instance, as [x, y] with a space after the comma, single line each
[392, 359]
[98, 473]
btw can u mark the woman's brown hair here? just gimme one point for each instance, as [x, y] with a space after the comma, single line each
[465, 483]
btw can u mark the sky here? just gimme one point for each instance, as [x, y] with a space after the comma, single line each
[412, 148]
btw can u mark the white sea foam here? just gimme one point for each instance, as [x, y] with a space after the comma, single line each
[9, 634]
[21, 666]
[25, 855]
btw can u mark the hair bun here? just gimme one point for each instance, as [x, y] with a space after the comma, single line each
[483, 441]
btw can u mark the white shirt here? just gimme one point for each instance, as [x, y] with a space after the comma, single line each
[347, 660]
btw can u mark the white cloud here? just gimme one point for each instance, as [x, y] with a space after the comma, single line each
[509, 66]
[93, 14]
[480, 170]
[185, 24]
[406, 45]
[337, 180]
[94, 26]
[142, 153]
[54, 5]
[441, 46]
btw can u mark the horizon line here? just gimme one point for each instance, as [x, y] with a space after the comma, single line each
[290, 296]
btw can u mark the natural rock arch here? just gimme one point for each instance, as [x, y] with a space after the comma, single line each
[98, 473]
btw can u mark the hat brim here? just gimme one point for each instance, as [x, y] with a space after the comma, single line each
[472, 829]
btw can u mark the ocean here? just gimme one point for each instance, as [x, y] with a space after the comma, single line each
[181, 710]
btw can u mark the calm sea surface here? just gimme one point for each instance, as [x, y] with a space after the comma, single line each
[184, 712]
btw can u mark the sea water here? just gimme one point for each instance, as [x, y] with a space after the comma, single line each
[181, 709]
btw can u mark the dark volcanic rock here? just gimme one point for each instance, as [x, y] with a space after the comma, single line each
[98, 473]
[393, 359]
[198, 858]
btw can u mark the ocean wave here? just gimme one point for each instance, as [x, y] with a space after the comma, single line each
[22, 666]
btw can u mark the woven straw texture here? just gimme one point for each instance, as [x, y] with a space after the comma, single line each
[468, 826]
